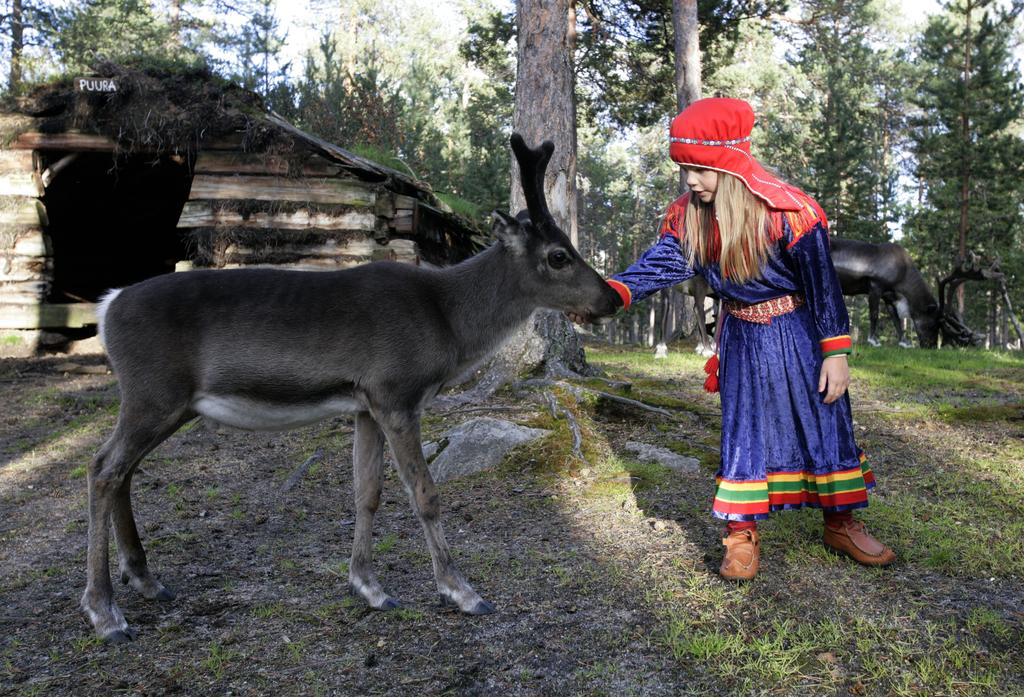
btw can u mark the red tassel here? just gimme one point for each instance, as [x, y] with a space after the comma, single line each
[711, 368]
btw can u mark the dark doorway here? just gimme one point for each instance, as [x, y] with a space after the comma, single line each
[112, 221]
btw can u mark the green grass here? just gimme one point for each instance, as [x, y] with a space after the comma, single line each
[953, 377]
[382, 157]
[269, 610]
[460, 206]
[386, 544]
[218, 659]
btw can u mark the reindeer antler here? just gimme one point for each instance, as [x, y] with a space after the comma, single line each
[533, 162]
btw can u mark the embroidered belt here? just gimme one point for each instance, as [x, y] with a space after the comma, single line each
[762, 313]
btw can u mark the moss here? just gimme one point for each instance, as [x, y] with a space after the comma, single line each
[160, 107]
[208, 246]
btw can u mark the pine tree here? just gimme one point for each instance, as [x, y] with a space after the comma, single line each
[128, 31]
[23, 24]
[259, 65]
[969, 160]
[851, 81]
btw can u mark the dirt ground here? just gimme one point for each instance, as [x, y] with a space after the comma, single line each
[593, 591]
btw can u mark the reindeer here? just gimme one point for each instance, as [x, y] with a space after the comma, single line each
[883, 272]
[271, 349]
[886, 272]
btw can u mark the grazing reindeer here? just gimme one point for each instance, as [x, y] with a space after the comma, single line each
[883, 272]
[886, 272]
[270, 349]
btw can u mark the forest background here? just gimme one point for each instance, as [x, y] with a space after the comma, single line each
[903, 120]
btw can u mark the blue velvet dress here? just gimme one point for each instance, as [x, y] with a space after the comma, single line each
[782, 446]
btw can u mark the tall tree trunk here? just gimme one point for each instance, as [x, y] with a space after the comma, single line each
[965, 136]
[545, 101]
[687, 50]
[17, 45]
[686, 27]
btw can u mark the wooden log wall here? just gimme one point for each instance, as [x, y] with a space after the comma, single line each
[26, 261]
[306, 212]
[249, 209]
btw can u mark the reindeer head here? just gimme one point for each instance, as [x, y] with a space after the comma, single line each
[552, 272]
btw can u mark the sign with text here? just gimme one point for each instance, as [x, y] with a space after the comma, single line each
[95, 84]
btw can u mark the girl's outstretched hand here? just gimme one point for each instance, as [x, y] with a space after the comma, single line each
[835, 376]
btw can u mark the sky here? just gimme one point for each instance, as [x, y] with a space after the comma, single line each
[304, 26]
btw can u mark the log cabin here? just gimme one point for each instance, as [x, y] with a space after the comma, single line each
[168, 171]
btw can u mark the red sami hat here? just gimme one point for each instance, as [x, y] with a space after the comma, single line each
[714, 134]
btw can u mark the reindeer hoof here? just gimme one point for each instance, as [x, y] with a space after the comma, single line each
[388, 603]
[147, 586]
[482, 608]
[118, 637]
[165, 594]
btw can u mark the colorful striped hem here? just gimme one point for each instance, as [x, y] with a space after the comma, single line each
[836, 345]
[623, 290]
[753, 499]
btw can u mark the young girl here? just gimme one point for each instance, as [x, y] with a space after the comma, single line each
[763, 246]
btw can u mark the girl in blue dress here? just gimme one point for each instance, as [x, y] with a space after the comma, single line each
[781, 366]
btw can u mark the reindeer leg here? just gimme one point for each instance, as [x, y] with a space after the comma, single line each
[403, 434]
[874, 296]
[130, 553]
[137, 433]
[704, 347]
[900, 310]
[367, 475]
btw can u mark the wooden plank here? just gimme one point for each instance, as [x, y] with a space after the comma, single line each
[17, 292]
[16, 161]
[404, 221]
[405, 202]
[17, 268]
[405, 251]
[231, 141]
[389, 203]
[203, 214]
[234, 162]
[366, 248]
[69, 140]
[341, 191]
[31, 242]
[21, 184]
[47, 316]
[23, 212]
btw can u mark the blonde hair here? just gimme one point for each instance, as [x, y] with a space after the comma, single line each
[743, 243]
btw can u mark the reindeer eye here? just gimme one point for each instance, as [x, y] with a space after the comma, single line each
[558, 258]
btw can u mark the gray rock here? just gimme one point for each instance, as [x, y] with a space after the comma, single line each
[476, 445]
[674, 461]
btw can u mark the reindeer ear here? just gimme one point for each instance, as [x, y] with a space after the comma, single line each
[509, 231]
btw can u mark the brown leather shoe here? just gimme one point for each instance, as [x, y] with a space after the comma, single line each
[742, 555]
[851, 538]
